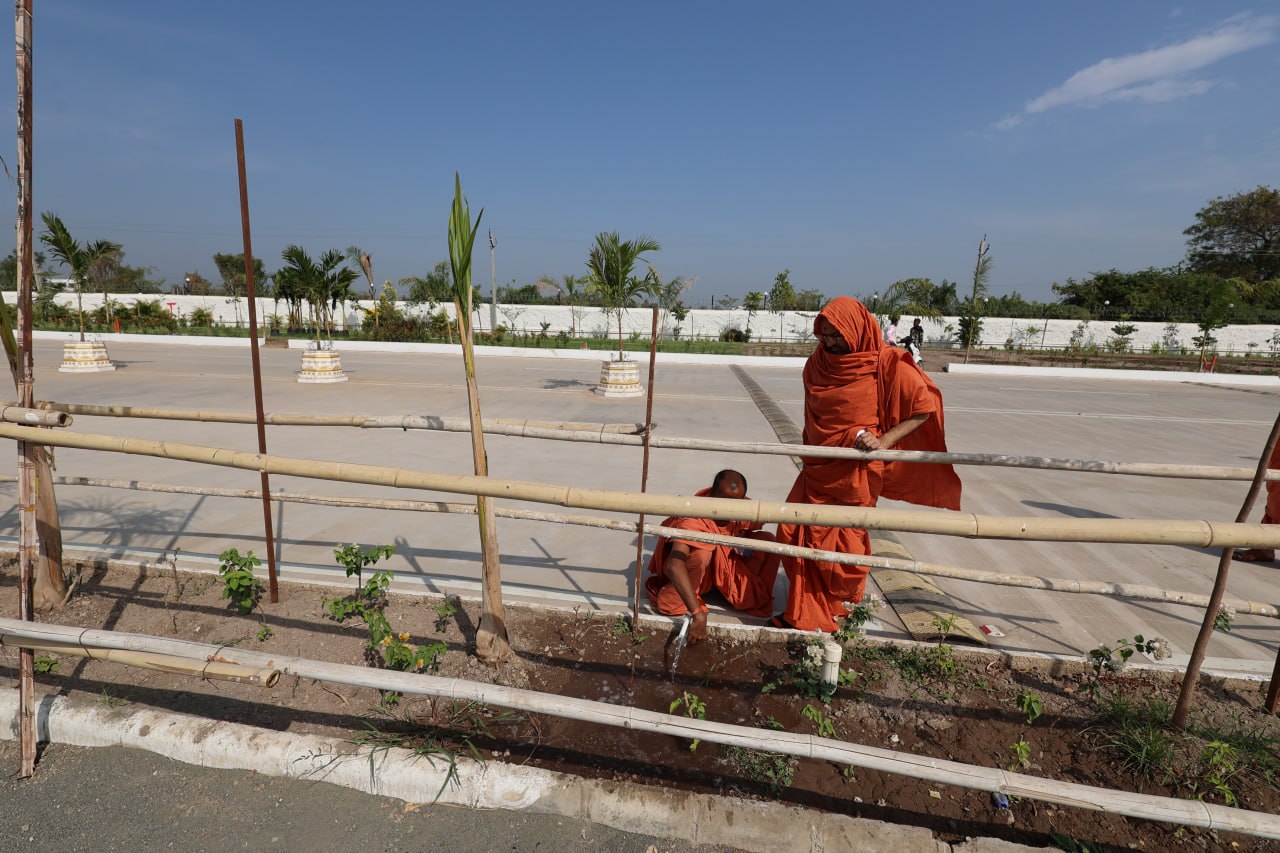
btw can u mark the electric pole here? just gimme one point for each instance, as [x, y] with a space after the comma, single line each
[493, 293]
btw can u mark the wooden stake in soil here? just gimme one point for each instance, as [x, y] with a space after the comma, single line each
[257, 363]
[644, 473]
[1188, 689]
[26, 395]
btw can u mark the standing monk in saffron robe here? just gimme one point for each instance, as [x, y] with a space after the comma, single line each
[684, 571]
[858, 393]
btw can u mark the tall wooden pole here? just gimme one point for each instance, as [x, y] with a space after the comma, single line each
[1220, 587]
[26, 393]
[644, 472]
[257, 361]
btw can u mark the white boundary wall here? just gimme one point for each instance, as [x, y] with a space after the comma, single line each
[765, 326]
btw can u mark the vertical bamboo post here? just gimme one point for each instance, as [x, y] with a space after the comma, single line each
[256, 360]
[26, 395]
[1220, 587]
[644, 473]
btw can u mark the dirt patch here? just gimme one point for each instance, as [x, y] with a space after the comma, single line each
[924, 700]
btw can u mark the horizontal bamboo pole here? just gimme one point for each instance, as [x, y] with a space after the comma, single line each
[1204, 534]
[940, 771]
[432, 422]
[213, 670]
[631, 435]
[14, 414]
[1137, 592]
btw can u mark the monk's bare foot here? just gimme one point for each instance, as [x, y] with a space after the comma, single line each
[1255, 555]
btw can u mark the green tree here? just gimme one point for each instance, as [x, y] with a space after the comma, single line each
[782, 296]
[1237, 236]
[76, 258]
[492, 644]
[668, 294]
[194, 284]
[753, 303]
[912, 296]
[324, 283]
[431, 289]
[610, 262]
[9, 269]
[810, 300]
[231, 269]
[364, 261]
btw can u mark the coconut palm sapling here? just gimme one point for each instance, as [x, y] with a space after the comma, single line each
[78, 259]
[492, 646]
[611, 261]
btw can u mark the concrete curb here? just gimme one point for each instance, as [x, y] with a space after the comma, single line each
[698, 818]
[109, 338]
[1107, 373]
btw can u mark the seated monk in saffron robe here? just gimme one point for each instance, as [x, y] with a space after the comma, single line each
[683, 571]
[860, 393]
[1270, 516]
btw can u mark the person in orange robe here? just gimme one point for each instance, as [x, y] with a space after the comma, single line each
[1270, 516]
[683, 571]
[860, 393]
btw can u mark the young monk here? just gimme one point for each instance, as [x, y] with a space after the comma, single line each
[858, 393]
[684, 571]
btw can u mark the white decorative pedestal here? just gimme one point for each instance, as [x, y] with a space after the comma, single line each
[620, 379]
[321, 365]
[85, 357]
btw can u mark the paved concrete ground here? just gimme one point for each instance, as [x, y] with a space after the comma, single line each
[1051, 417]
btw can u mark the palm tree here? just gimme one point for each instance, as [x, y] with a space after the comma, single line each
[78, 259]
[971, 320]
[492, 645]
[364, 260]
[611, 261]
[323, 283]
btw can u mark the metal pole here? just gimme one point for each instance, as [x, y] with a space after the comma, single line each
[644, 472]
[493, 289]
[1219, 589]
[26, 395]
[257, 362]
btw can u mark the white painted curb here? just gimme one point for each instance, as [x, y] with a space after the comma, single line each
[698, 818]
[1107, 373]
[110, 338]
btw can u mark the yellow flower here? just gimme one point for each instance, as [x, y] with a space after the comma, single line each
[404, 637]
[386, 641]
[418, 663]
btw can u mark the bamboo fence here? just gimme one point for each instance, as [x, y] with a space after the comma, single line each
[1062, 793]
[1137, 592]
[632, 435]
[1197, 533]
[12, 414]
[213, 670]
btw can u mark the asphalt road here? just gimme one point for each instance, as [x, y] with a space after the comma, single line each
[1084, 418]
[108, 799]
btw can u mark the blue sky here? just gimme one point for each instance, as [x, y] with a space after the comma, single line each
[853, 143]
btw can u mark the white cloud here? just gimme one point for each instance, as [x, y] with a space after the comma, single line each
[1153, 76]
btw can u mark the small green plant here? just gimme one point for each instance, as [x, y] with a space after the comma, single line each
[1108, 659]
[355, 559]
[1222, 620]
[826, 728]
[105, 698]
[770, 769]
[1030, 705]
[1219, 762]
[265, 632]
[621, 627]
[44, 664]
[445, 611]
[694, 709]
[238, 581]
[851, 626]
[1021, 754]
[771, 722]
[944, 625]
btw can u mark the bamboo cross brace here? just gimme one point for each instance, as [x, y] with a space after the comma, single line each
[1137, 592]
[631, 435]
[1198, 533]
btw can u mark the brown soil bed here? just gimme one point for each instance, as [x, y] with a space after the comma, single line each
[970, 716]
